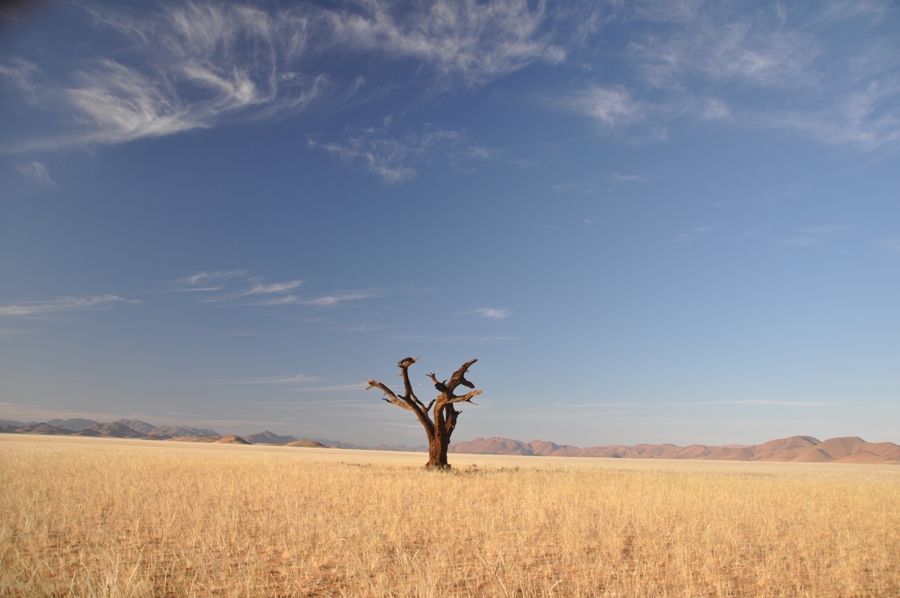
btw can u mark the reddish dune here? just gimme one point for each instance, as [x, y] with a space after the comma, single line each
[810, 455]
[861, 457]
[303, 442]
[784, 449]
[231, 439]
[838, 448]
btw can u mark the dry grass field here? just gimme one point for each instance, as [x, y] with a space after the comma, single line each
[100, 517]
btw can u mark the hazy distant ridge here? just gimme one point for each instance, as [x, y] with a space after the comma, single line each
[75, 424]
[124, 428]
[851, 449]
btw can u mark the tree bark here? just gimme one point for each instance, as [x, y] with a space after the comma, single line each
[441, 427]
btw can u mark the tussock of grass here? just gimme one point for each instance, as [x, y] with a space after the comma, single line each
[131, 518]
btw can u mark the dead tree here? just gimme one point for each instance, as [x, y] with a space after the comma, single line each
[441, 423]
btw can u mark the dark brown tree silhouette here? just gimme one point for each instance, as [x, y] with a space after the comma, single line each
[440, 425]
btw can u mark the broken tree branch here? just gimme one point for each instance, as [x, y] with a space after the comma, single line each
[391, 397]
[459, 377]
[465, 398]
[410, 396]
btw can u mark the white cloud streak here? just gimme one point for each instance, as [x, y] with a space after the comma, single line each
[685, 237]
[36, 171]
[867, 118]
[628, 178]
[491, 313]
[332, 388]
[478, 41]
[784, 403]
[188, 65]
[278, 287]
[751, 66]
[21, 73]
[462, 339]
[395, 159]
[751, 51]
[610, 107]
[330, 300]
[61, 305]
[814, 235]
[239, 288]
[273, 380]
[230, 285]
[286, 300]
[219, 278]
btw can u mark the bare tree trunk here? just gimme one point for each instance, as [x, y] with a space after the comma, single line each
[441, 427]
[445, 423]
[437, 455]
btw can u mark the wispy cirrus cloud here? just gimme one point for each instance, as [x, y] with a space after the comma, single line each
[208, 281]
[236, 285]
[36, 171]
[184, 65]
[329, 300]
[689, 236]
[278, 287]
[754, 49]
[748, 65]
[489, 312]
[628, 178]
[610, 107]
[283, 300]
[780, 402]
[396, 158]
[867, 118]
[837, 11]
[274, 380]
[332, 388]
[814, 235]
[478, 41]
[179, 66]
[21, 73]
[61, 306]
[459, 338]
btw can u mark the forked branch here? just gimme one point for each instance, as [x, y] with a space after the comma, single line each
[459, 377]
[404, 364]
[390, 396]
[440, 386]
[465, 398]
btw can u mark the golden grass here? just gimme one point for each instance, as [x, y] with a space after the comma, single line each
[100, 517]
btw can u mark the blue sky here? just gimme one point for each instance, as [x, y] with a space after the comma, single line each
[649, 221]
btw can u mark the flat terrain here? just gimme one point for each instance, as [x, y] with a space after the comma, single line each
[110, 517]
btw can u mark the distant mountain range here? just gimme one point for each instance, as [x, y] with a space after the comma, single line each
[135, 428]
[800, 449]
[124, 428]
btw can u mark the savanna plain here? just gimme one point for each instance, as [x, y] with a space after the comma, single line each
[117, 518]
